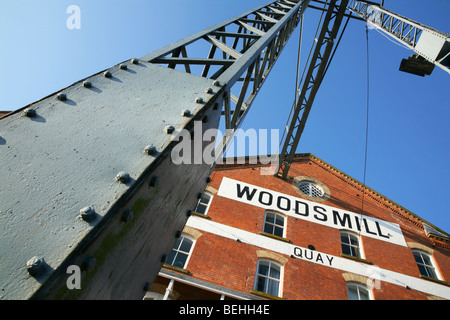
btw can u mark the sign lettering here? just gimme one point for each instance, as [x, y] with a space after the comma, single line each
[311, 211]
[313, 256]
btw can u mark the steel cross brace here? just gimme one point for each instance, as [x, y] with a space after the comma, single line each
[317, 66]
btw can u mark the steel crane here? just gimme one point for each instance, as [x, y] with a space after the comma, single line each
[88, 175]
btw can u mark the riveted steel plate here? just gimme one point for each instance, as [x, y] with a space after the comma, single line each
[66, 156]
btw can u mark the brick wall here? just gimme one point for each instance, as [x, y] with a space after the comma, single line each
[232, 264]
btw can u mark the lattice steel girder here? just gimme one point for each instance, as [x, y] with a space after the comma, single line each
[310, 86]
[242, 51]
[80, 168]
[429, 43]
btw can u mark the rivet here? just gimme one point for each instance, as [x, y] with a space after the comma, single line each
[87, 214]
[153, 181]
[186, 113]
[123, 67]
[123, 177]
[208, 90]
[107, 74]
[199, 100]
[61, 96]
[30, 113]
[216, 83]
[150, 150]
[169, 129]
[88, 263]
[87, 84]
[127, 215]
[35, 266]
[134, 61]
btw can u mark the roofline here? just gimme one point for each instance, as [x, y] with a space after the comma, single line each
[255, 161]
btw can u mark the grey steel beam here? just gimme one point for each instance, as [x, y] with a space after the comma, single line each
[88, 173]
[316, 69]
[192, 61]
[88, 180]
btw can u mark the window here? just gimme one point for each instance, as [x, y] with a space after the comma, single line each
[268, 277]
[350, 244]
[425, 264]
[358, 291]
[274, 223]
[180, 252]
[203, 203]
[311, 189]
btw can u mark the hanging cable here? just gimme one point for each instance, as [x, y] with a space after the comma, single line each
[367, 117]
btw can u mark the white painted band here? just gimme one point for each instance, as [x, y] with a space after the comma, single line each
[372, 272]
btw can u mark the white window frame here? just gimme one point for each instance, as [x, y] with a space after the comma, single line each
[189, 254]
[273, 224]
[207, 206]
[359, 287]
[357, 236]
[433, 264]
[280, 280]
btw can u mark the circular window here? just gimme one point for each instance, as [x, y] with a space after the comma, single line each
[311, 189]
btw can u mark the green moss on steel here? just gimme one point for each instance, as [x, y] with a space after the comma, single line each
[107, 245]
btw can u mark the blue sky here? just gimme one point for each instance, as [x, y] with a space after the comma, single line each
[408, 147]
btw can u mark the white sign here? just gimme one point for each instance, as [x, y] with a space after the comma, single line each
[311, 211]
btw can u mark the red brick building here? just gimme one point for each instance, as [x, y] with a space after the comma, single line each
[319, 235]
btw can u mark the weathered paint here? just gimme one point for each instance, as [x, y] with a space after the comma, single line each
[67, 156]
